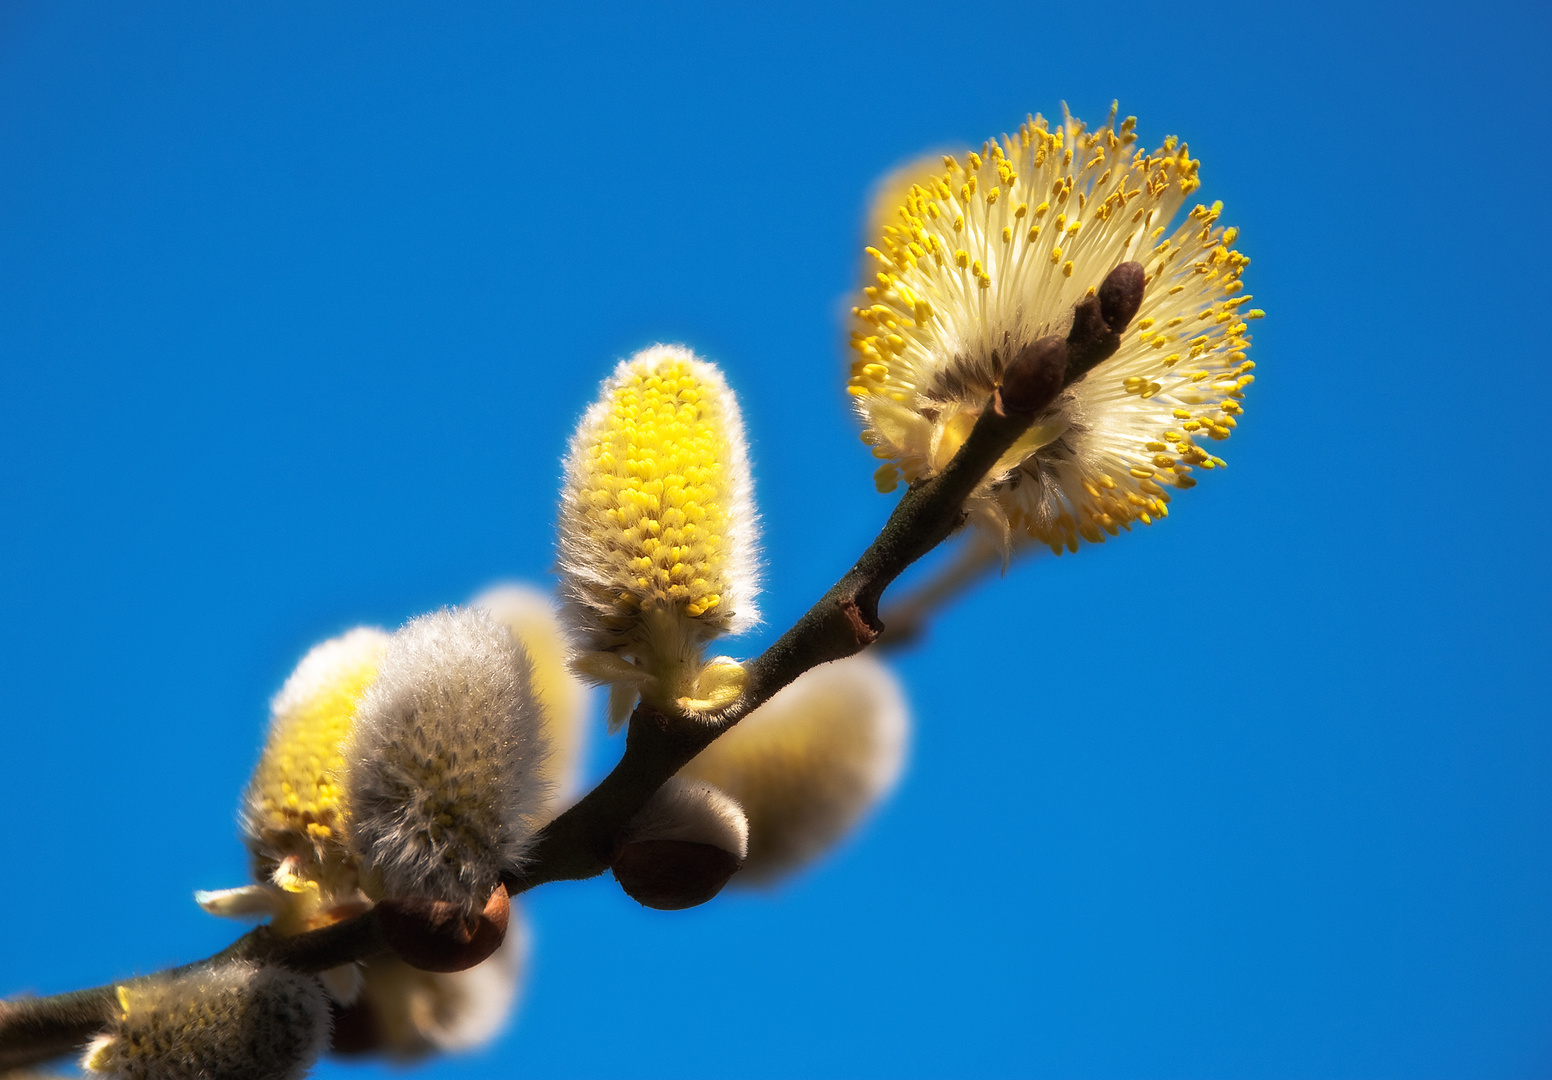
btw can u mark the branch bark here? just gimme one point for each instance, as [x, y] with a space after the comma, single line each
[580, 842]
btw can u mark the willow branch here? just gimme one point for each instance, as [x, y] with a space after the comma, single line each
[580, 842]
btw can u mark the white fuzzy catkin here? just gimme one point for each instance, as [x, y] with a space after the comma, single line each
[236, 1021]
[694, 812]
[531, 617]
[423, 1012]
[445, 761]
[809, 763]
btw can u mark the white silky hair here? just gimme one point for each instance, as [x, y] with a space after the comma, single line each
[445, 761]
[692, 811]
[533, 617]
[237, 1020]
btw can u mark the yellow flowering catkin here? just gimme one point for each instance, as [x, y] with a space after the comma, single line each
[235, 1021]
[293, 812]
[986, 254]
[404, 765]
[658, 532]
[809, 763]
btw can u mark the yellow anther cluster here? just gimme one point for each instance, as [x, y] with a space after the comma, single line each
[1084, 471]
[655, 515]
[295, 787]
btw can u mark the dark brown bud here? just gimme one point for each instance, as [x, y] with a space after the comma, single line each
[1033, 377]
[1120, 295]
[1091, 339]
[436, 935]
[673, 874]
[1097, 321]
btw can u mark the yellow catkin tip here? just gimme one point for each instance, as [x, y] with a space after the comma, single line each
[658, 538]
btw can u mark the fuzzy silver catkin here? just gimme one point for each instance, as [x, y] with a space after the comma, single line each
[694, 812]
[236, 1021]
[445, 761]
[809, 763]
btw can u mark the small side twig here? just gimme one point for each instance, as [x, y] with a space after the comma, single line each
[906, 619]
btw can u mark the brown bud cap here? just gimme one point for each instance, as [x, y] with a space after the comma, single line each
[1033, 377]
[436, 935]
[1120, 295]
[673, 874]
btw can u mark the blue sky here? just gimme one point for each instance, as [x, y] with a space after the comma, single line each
[298, 304]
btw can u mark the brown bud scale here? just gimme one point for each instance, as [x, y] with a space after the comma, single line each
[436, 935]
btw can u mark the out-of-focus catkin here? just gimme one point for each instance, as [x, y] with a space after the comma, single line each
[809, 763]
[531, 617]
[408, 1014]
[235, 1021]
[658, 543]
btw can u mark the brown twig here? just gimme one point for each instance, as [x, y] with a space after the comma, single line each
[845, 621]
[581, 841]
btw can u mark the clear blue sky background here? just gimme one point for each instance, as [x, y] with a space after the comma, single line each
[298, 303]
